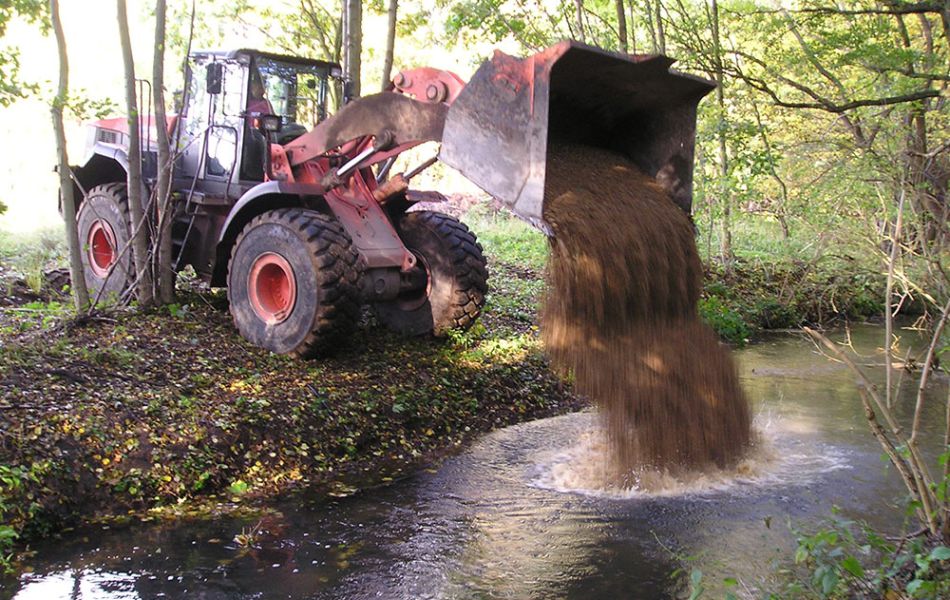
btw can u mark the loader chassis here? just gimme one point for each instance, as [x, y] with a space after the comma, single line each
[300, 244]
[292, 208]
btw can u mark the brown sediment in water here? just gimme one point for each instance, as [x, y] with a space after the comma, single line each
[624, 278]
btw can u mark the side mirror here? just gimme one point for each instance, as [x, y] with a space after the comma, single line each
[214, 76]
[271, 123]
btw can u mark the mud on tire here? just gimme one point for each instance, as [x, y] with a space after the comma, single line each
[293, 282]
[457, 276]
[104, 232]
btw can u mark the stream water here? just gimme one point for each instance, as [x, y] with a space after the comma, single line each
[516, 516]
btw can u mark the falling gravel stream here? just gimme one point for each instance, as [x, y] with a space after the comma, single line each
[519, 513]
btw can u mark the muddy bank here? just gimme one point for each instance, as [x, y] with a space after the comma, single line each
[758, 295]
[133, 411]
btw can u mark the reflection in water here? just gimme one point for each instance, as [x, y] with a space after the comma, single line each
[83, 584]
[493, 521]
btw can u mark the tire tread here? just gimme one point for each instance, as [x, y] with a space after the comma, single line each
[338, 309]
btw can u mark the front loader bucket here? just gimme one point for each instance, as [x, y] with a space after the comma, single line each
[498, 129]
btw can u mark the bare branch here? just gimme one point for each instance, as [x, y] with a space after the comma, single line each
[821, 102]
[892, 9]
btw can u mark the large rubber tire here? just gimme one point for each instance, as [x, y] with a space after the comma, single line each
[293, 282]
[104, 232]
[457, 277]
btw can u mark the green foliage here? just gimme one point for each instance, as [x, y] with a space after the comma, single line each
[727, 322]
[774, 314]
[849, 559]
[31, 11]
[176, 310]
[867, 304]
[696, 584]
[496, 20]
[17, 506]
[33, 254]
[85, 107]
[238, 487]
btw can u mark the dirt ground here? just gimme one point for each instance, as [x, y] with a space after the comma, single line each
[132, 410]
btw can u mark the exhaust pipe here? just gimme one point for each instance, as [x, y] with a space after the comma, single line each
[498, 130]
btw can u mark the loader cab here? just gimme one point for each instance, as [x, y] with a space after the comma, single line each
[223, 146]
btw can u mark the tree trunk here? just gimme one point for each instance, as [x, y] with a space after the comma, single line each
[660, 34]
[390, 43]
[725, 242]
[632, 27]
[140, 256]
[621, 25]
[353, 45]
[77, 277]
[163, 268]
[579, 16]
[654, 47]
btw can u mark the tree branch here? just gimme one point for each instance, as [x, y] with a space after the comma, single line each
[822, 103]
[892, 9]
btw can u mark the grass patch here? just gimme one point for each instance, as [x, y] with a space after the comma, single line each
[509, 239]
[31, 255]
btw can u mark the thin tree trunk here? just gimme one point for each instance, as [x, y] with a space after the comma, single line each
[353, 44]
[390, 42]
[579, 19]
[701, 163]
[76, 274]
[946, 472]
[660, 35]
[621, 26]
[164, 271]
[725, 242]
[654, 48]
[781, 211]
[140, 257]
[889, 298]
[632, 27]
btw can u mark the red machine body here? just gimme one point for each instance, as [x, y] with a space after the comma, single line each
[305, 226]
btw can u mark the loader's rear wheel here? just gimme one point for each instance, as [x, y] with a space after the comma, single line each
[293, 282]
[104, 232]
[457, 277]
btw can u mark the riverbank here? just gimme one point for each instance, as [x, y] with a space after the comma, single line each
[133, 411]
[171, 410]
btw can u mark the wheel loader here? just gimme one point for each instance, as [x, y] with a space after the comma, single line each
[295, 212]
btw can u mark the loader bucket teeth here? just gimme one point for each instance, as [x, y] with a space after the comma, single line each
[498, 129]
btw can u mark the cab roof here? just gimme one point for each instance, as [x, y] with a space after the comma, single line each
[332, 67]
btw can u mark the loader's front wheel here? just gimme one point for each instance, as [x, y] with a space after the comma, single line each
[104, 231]
[292, 282]
[456, 274]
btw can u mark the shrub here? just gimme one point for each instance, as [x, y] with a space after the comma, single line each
[727, 322]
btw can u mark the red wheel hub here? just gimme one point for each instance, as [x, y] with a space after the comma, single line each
[101, 247]
[411, 300]
[272, 288]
